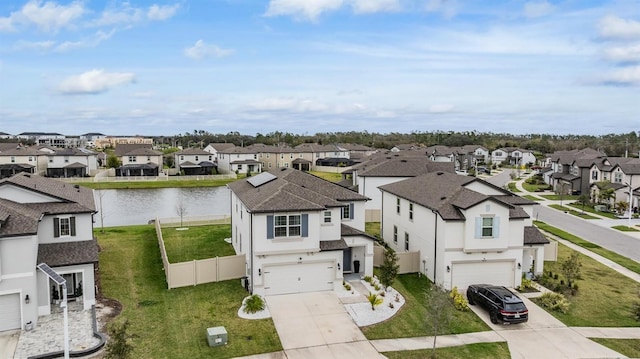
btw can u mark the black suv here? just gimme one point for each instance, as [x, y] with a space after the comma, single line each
[503, 306]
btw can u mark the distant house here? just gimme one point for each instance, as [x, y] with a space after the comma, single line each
[44, 221]
[72, 162]
[15, 158]
[466, 230]
[512, 156]
[300, 233]
[44, 138]
[138, 160]
[214, 148]
[194, 161]
[239, 160]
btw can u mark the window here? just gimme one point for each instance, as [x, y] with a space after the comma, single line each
[617, 177]
[487, 227]
[406, 241]
[327, 216]
[287, 226]
[594, 175]
[267, 155]
[66, 159]
[197, 158]
[395, 234]
[13, 159]
[255, 156]
[286, 164]
[148, 158]
[181, 158]
[50, 160]
[498, 153]
[282, 156]
[398, 205]
[132, 158]
[347, 211]
[64, 226]
[239, 167]
[30, 158]
[210, 158]
[411, 211]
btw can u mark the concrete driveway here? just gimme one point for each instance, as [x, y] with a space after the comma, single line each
[8, 343]
[316, 325]
[544, 336]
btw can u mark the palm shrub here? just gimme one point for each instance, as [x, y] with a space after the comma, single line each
[374, 299]
[554, 301]
[253, 304]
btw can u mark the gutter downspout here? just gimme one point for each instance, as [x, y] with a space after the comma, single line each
[435, 243]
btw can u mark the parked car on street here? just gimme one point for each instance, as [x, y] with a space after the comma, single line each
[502, 304]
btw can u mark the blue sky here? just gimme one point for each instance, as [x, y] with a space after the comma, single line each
[306, 66]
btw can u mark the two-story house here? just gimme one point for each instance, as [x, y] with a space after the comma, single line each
[15, 158]
[194, 161]
[513, 156]
[216, 147]
[44, 221]
[466, 230]
[300, 233]
[138, 160]
[239, 160]
[71, 162]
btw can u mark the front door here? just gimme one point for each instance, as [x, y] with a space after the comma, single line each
[346, 260]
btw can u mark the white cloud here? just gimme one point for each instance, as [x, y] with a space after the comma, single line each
[616, 27]
[42, 46]
[94, 82]
[624, 76]
[303, 9]
[623, 53]
[372, 6]
[442, 108]
[448, 8]
[287, 104]
[203, 50]
[48, 16]
[537, 8]
[159, 13]
[93, 41]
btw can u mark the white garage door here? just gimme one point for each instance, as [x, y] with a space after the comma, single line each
[10, 311]
[298, 278]
[497, 273]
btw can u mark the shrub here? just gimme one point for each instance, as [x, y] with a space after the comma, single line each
[367, 278]
[374, 300]
[377, 287]
[391, 305]
[554, 301]
[459, 301]
[397, 297]
[119, 344]
[527, 284]
[347, 286]
[253, 304]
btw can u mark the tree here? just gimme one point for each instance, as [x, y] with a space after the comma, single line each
[571, 268]
[389, 268]
[119, 343]
[440, 311]
[621, 207]
[561, 190]
[181, 209]
[583, 199]
[113, 161]
[100, 194]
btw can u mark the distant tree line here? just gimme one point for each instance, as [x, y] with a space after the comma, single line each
[611, 144]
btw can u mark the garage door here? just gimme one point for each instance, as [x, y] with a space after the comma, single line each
[298, 278]
[10, 311]
[497, 273]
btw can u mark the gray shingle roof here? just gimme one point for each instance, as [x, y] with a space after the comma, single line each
[402, 166]
[193, 151]
[532, 235]
[68, 253]
[72, 194]
[338, 244]
[293, 190]
[446, 193]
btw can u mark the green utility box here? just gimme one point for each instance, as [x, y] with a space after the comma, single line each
[216, 336]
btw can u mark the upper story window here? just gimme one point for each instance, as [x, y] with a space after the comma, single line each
[197, 158]
[287, 226]
[66, 159]
[132, 159]
[411, 211]
[291, 155]
[327, 216]
[406, 241]
[594, 175]
[398, 205]
[282, 156]
[64, 226]
[395, 234]
[13, 159]
[267, 155]
[347, 211]
[30, 158]
[498, 153]
[210, 157]
[617, 177]
[50, 159]
[487, 226]
[255, 156]
[181, 157]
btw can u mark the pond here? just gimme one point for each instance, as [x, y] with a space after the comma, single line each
[123, 207]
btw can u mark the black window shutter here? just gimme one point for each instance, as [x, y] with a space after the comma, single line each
[72, 224]
[56, 227]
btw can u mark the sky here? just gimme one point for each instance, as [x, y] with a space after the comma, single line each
[168, 67]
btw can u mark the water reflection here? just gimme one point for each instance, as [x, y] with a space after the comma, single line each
[122, 207]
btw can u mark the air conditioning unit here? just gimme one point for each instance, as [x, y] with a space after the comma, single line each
[217, 336]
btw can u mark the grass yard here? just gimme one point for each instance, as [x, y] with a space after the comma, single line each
[573, 211]
[625, 228]
[605, 297]
[628, 347]
[373, 228]
[410, 320]
[198, 242]
[512, 187]
[621, 260]
[590, 209]
[476, 351]
[534, 187]
[532, 198]
[172, 323]
[329, 176]
[555, 197]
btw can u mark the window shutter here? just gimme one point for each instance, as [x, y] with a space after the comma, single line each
[305, 225]
[496, 227]
[72, 224]
[56, 227]
[270, 227]
[478, 227]
[351, 210]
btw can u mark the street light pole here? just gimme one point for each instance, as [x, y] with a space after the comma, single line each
[630, 199]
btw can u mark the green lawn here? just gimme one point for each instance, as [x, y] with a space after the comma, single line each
[373, 228]
[512, 187]
[534, 187]
[573, 211]
[590, 209]
[555, 197]
[532, 198]
[172, 323]
[476, 351]
[613, 256]
[329, 176]
[410, 320]
[605, 297]
[198, 242]
[625, 228]
[628, 347]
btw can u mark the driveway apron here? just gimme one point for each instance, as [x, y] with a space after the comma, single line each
[544, 336]
[316, 325]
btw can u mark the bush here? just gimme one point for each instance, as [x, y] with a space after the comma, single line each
[119, 344]
[377, 287]
[347, 286]
[459, 301]
[554, 301]
[253, 304]
[527, 284]
[374, 300]
[367, 279]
